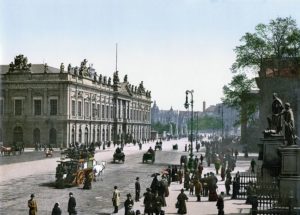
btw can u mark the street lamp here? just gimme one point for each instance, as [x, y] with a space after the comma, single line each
[186, 105]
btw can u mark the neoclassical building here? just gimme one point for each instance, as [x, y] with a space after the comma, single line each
[47, 105]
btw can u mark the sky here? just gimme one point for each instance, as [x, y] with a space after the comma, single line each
[170, 45]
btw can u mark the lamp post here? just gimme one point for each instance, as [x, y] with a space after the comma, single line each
[186, 105]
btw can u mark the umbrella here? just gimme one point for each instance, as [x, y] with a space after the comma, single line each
[155, 174]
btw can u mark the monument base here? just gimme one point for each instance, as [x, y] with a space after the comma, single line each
[290, 172]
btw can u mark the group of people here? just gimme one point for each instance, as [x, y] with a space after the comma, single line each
[33, 208]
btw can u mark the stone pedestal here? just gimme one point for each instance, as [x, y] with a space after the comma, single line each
[269, 150]
[290, 172]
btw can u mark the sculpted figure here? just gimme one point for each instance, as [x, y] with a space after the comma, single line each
[69, 68]
[274, 121]
[62, 67]
[289, 124]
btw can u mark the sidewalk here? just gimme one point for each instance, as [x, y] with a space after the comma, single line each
[232, 207]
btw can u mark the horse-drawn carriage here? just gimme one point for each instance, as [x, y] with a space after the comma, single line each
[75, 168]
[149, 157]
[175, 147]
[119, 156]
[12, 150]
[158, 146]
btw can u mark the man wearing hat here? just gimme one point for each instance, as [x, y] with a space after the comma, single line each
[72, 204]
[148, 196]
[128, 204]
[32, 205]
[137, 189]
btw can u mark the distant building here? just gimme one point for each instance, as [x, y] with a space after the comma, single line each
[47, 105]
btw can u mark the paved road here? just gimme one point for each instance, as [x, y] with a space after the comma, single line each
[19, 180]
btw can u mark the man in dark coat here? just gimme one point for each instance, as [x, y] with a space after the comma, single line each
[181, 198]
[128, 204]
[220, 204]
[137, 189]
[72, 204]
[148, 196]
[157, 203]
[56, 209]
[32, 205]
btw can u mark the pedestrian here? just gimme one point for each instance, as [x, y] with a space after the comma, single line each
[201, 159]
[198, 189]
[56, 209]
[235, 189]
[137, 189]
[227, 184]
[72, 204]
[181, 198]
[220, 204]
[157, 203]
[253, 163]
[128, 204]
[116, 199]
[148, 196]
[223, 173]
[32, 205]
[191, 187]
[137, 212]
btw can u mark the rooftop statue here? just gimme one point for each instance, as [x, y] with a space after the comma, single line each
[20, 63]
[109, 81]
[100, 78]
[116, 79]
[62, 67]
[125, 78]
[76, 70]
[69, 68]
[141, 88]
[83, 70]
[45, 68]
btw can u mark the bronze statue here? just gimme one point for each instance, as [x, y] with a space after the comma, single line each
[289, 124]
[275, 122]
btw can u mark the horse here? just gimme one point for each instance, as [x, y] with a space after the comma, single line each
[98, 170]
[6, 150]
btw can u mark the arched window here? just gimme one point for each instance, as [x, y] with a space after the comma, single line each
[52, 137]
[36, 136]
[18, 134]
[86, 135]
[73, 136]
[80, 136]
[94, 135]
[98, 134]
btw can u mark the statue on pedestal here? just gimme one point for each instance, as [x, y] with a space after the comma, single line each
[275, 122]
[289, 124]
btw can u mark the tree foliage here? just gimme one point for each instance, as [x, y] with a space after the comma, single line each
[160, 127]
[238, 95]
[279, 39]
[206, 123]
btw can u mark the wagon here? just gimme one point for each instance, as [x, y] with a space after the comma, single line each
[119, 157]
[158, 146]
[148, 156]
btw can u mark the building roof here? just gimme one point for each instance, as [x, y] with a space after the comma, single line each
[35, 68]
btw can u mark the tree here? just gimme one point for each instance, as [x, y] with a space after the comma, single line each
[277, 40]
[206, 123]
[238, 95]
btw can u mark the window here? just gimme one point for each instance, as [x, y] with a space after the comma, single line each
[1, 107]
[86, 109]
[98, 110]
[37, 107]
[111, 112]
[73, 107]
[53, 107]
[79, 108]
[94, 110]
[103, 112]
[107, 111]
[18, 107]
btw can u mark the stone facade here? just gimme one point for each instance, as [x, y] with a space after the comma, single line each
[46, 105]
